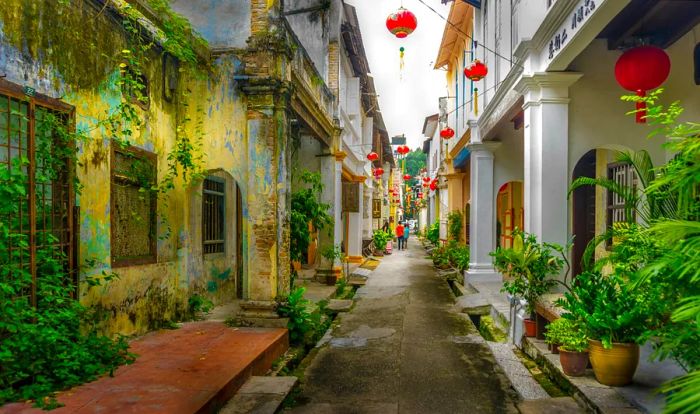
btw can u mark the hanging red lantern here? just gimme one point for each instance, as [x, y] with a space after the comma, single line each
[425, 185]
[433, 186]
[447, 133]
[426, 179]
[401, 23]
[378, 172]
[641, 69]
[372, 156]
[476, 71]
[403, 149]
[406, 177]
[391, 191]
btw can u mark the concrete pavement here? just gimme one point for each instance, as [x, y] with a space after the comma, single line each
[404, 349]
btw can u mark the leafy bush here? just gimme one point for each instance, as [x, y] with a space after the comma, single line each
[567, 334]
[433, 233]
[440, 256]
[529, 264]
[198, 303]
[458, 255]
[455, 220]
[332, 253]
[55, 345]
[307, 209]
[381, 239]
[303, 322]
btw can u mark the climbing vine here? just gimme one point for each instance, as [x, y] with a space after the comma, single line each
[55, 343]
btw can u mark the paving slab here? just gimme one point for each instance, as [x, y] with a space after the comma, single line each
[260, 395]
[192, 369]
[340, 305]
[518, 374]
[560, 405]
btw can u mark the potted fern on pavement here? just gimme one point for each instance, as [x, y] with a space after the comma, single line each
[529, 265]
[571, 343]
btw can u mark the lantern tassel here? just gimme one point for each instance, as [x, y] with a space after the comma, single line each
[641, 108]
[401, 62]
[476, 101]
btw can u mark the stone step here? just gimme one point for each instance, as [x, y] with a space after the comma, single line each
[560, 405]
[260, 395]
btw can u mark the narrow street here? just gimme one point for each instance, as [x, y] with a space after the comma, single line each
[403, 350]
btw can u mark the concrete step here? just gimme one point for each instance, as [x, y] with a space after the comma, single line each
[260, 395]
[560, 405]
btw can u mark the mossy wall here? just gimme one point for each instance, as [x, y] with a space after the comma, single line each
[71, 50]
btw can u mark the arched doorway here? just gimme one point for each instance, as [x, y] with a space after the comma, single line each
[509, 212]
[584, 210]
[216, 228]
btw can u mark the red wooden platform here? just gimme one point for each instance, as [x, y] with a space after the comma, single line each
[194, 369]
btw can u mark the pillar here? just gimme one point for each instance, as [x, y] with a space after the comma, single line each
[482, 227]
[546, 145]
[356, 225]
[268, 182]
[331, 173]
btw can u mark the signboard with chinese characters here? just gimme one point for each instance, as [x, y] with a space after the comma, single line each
[572, 24]
[351, 197]
[377, 208]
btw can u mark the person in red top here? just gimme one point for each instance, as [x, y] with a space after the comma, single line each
[399, 236]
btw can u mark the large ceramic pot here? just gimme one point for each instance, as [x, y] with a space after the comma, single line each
[573, 363]
[530, 327]
[615, 366]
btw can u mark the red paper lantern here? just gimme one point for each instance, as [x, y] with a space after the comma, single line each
[433, 186]
[426, 179]
[407, 177]
[373, 156]
[447, 133]
[476, 71]
[391, 191]
[641, 69]
[401, 23]
[378, 172]
[425, 185]
[403, 149]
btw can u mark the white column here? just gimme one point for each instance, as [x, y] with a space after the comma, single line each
[482, 220]
[331, 173]
[355, 226]
[546, 149]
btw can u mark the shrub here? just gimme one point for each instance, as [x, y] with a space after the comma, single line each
[303, 322]
[567, 334]
[455, 220]
[459, 256]
[433, 233]
[381, 239]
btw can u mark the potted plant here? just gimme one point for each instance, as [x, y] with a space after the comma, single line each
[572, 344]
[331, 254]
[528, 265]
[380, 239]
[614, 315]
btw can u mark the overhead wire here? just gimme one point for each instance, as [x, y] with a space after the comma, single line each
[509, 59]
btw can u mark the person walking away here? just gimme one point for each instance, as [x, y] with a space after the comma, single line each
[399, 235]
[406, 232]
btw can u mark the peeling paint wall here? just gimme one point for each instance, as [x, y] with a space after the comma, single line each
[71, 53]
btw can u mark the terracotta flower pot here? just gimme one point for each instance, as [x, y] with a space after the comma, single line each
[573, 363]
[615, 366]
[555, 348]
[530, 327]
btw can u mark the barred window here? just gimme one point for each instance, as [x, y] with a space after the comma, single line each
[624, 175]
[133, 207]
[213, 217]
[35, 155]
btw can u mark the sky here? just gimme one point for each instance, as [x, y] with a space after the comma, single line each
[404, 102]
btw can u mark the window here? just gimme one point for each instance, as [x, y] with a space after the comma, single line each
[213, 217]
[618, 211]
[133, 207]
[40, 222]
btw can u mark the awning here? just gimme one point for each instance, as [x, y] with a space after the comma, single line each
[460, 161]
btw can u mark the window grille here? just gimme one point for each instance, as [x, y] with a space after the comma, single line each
[133, 206]
[42, 221]
[213, 215]
[618, 212]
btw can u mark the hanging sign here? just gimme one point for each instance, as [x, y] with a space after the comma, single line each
[572, 25]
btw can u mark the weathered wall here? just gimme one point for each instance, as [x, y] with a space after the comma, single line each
[72, 53]
[312, 29]
[223, 23]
